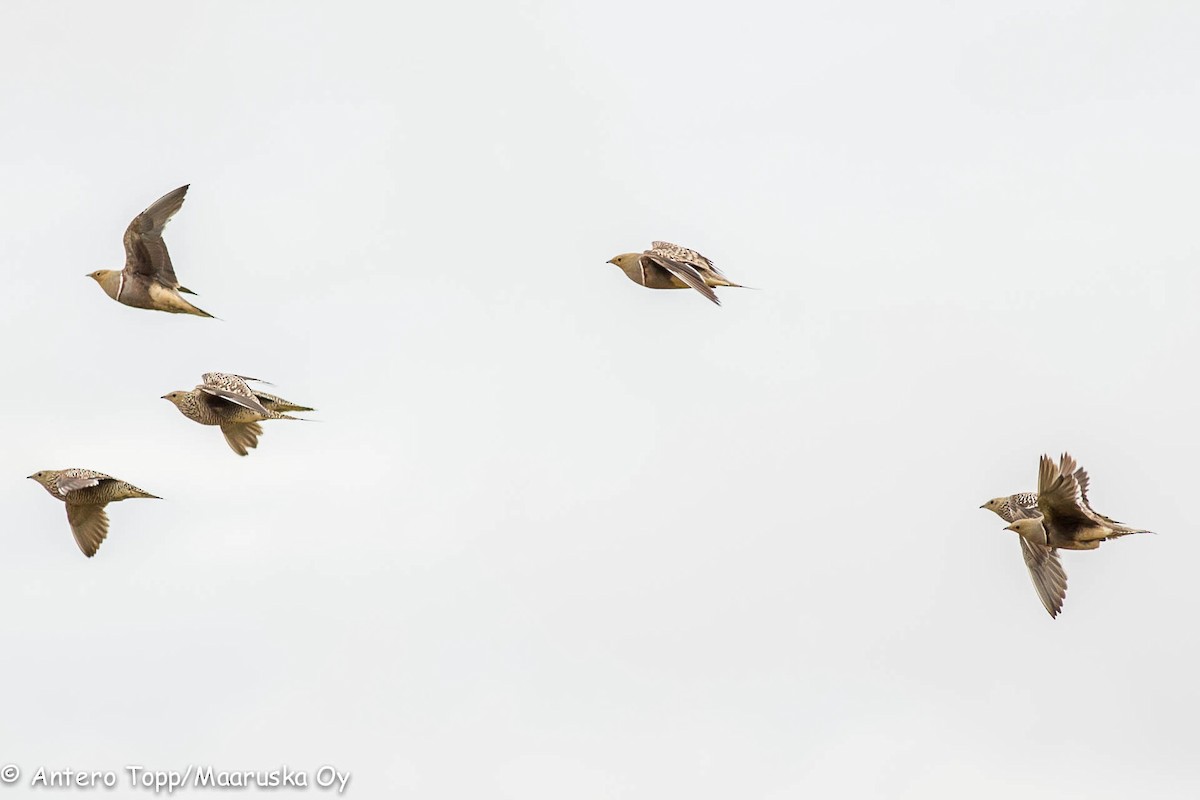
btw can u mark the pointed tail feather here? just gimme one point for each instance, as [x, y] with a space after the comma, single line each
[1125, 530]
[199, 312]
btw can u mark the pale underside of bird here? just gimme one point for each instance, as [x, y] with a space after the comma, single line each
[148, 279]
[669, 266]
[228, 401]
[1058, 516]
[85, 493]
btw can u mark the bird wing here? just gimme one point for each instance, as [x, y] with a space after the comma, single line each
[70, 480]
[145, 251]
[685, 272]
[1081, 477]
[1059, 497]
[241, 436]
[687, 256]
[1047, 573]
[1026, 499]
[1022, 510]
[228, 380]
[89, 524]
[236, 398]
[232, 388]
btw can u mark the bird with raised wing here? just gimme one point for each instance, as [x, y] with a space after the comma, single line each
[148, 279]
[86, 493]
[669, 266]
[229, 402]
[1062, 518]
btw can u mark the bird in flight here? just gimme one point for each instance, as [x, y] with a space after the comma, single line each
[1058, 517]
[228, 401]
[1045, 568]
[148, 280]
[669, 266]
[86, 493]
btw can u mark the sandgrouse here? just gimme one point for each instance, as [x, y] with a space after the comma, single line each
[669, 266]
[148, 280]
[228, 401]
[1059, 516]
[86, 493]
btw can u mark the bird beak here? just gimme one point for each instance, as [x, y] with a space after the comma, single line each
[1012, 528]
[164, 397]
[984, 505]
[28, 477]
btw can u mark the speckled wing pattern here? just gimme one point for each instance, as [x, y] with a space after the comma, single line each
[1022, 505]
[228, 380]
[232, 388]
[1027, 500]
[145, 251]
[70, 480]
[684, 254]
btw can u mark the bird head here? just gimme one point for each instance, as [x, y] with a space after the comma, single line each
[43, 477]
[1031, 529]
[177, 398]
[995, 504]
[109, 280]
[626, 261]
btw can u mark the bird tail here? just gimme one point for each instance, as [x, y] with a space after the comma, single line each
[191, 309]
[285, 406]
[275, 403]
[184, 289]
[1124, 530]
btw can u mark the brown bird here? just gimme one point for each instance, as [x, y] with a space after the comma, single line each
[669, 266]
[1045, 569]
[1062, 519]
[228, 401]
[148, 280]
[86, 493]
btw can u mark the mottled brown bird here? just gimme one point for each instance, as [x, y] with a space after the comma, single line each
[1063, 519]
[228, 401]
[86, 493]
[1045, 570]
[148, 280]
[669, 266]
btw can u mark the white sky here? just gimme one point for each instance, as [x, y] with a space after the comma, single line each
[558, 536]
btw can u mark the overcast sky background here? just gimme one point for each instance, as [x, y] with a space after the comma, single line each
[557, 535]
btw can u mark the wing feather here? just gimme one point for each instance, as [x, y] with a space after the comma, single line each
[242, 437]
[1046, 571]
[145, 251]
[684, 272]
[89, 523]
